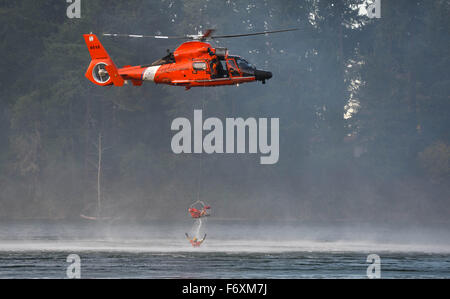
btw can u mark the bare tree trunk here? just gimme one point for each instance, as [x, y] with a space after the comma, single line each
[87, 143]
[99, 176]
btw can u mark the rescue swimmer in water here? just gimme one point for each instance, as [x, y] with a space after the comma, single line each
[194, 241]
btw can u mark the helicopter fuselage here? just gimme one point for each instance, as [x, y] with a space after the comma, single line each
[192, 64]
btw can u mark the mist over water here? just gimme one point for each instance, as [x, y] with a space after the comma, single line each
[233, 249]
[223, 236]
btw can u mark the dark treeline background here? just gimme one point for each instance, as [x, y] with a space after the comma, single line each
[363, 106]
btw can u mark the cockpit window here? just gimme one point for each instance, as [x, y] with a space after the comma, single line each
[244, 65]
[232, 68]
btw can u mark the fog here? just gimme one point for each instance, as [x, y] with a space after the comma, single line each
[363, 110]
[223, 236]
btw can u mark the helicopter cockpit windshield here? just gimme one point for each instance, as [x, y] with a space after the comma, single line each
[245, 67]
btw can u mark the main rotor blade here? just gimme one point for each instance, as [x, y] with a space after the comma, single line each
[205, 36]
[145, 36]
[251, 34]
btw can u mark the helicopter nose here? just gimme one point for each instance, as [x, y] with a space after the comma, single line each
[262, 75]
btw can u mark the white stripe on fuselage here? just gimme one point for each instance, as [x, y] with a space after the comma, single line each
[149, 73]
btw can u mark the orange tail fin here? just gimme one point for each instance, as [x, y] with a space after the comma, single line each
[102, 70]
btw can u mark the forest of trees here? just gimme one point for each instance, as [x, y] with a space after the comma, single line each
[363, 104]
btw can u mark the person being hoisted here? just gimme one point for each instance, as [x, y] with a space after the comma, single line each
[199, 212]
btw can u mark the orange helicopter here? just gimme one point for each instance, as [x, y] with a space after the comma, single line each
[194, 63]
